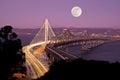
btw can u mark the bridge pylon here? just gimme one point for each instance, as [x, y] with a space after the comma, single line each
[44, 34]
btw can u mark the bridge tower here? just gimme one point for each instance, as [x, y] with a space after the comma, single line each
[44, 34]
[46, 30]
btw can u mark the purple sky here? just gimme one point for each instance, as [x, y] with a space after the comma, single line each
[31, 13]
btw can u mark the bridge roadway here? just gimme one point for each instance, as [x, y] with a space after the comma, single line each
[78, 40]
[59, 54]
[35, 68]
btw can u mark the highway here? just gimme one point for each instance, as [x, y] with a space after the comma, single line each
[35, 68]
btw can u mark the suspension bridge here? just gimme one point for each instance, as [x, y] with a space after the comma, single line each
[38, 67]
[50, 47]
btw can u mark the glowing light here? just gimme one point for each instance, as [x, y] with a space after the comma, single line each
[76, 11]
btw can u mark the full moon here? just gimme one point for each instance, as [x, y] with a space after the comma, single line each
[76, 11]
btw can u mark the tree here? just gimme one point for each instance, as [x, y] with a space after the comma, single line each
[11, 55]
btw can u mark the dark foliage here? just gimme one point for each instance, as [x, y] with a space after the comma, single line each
[11, 55]
[83, 70]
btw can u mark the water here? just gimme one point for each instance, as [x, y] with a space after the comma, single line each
[107, 52]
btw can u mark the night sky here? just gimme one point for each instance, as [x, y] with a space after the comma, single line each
[32, 13]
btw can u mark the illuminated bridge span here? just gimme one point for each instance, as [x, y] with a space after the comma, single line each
[38, 66]
[50, 48]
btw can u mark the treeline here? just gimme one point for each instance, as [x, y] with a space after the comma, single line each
[80, 69]
[11, 56]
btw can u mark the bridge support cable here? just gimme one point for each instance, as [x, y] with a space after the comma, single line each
[44, 34]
